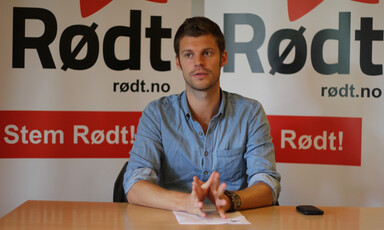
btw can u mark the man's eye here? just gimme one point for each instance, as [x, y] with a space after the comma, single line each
[207, 53]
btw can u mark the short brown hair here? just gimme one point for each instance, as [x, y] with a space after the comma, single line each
[198, 26]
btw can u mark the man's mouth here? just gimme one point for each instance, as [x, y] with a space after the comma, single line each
[199, 73]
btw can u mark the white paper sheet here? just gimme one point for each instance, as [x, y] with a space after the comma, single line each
[212, 217]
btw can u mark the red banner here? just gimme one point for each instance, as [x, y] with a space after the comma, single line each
[67, 134]
[317, 140]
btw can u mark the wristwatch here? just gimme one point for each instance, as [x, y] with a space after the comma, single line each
[235, 201]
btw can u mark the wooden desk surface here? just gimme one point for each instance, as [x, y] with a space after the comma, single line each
[58, 215]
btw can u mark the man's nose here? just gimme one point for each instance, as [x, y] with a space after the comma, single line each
[199, 60]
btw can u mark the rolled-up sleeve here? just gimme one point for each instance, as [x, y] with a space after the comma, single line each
[145, 155]
[133, 176]
[260, 154]
[270, 181]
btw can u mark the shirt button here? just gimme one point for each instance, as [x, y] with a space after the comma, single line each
[205, 172]
[206, 153]
[200, 133]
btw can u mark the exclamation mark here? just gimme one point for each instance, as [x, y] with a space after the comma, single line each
[132, 134]
[340, 141]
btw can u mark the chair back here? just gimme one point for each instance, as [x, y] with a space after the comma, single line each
[118, 190]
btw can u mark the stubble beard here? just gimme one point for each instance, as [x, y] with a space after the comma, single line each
[200, 88]
[203, 87]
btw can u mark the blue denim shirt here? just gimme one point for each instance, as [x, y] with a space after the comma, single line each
[170, 147]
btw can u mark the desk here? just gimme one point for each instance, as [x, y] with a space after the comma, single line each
[58, 215]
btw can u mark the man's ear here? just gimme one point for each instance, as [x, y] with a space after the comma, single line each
[224, 58]
[178, 63]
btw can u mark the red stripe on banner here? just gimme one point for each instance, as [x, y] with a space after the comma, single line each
[67, 134]
[317, 140]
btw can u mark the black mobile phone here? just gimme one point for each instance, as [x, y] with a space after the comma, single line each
[309, 210]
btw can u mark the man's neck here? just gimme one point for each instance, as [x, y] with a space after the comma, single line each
[204, 105]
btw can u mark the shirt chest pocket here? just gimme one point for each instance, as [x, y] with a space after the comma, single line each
[231, 164]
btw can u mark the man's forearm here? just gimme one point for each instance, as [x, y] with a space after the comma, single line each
[148, 194]
[257, 195]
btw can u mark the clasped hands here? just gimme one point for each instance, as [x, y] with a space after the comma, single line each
[211, 189]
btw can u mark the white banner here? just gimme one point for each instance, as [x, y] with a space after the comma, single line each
[317, 67]
[75, 76]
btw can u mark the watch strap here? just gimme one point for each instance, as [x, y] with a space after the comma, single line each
[235, 200]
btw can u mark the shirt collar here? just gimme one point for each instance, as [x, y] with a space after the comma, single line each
[223, 103]
[184, 104]
[187, 112]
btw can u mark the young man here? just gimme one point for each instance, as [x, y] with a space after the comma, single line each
[204, 143]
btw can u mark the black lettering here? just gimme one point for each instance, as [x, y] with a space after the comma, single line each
[142, 85]
[157, 85]
[352, 89]
[165, 87]
[323, 90]
[376, 92]
[343, 91]
[115, 84]
[276, 60]
[366, 35]
[135, 86]
[41, 44]
[88, 37]
[332, 92]
[124, 87]
[364, 91]
[249, 48]
[342, 35]
[156, 33]
[134, 33]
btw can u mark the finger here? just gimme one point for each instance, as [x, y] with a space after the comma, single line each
[208, 183]
[221, 203]
[194, 192]
[215, 180]
[222, 214]
[196, 180]
[217, 188]
[201, 213]
[196, 187]
[198, 192]
[198, 209]
[221, 189]
[198, 204]
[221, 210]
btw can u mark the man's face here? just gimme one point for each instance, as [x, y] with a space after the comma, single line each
[200, 61]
